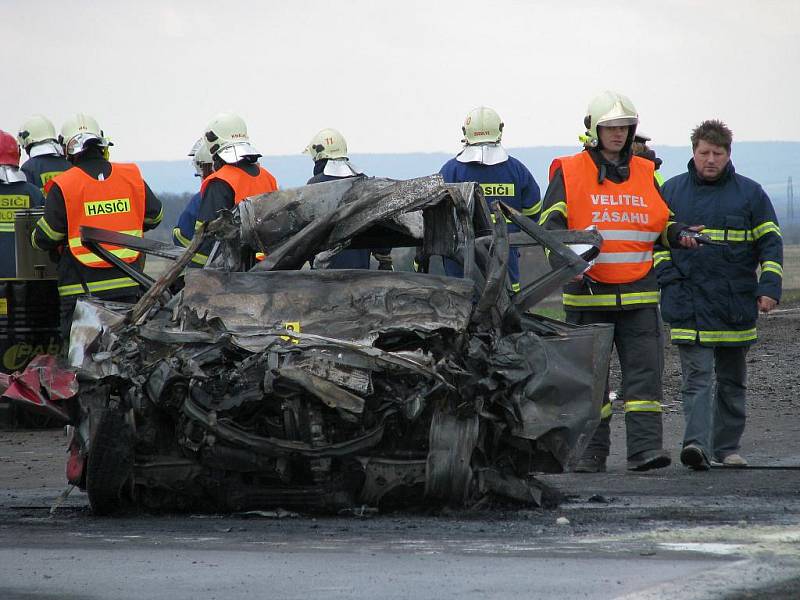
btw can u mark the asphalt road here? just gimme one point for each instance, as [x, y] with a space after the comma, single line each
[727, 534]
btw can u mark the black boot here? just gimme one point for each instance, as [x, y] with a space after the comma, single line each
[649, 459]
[591, 463]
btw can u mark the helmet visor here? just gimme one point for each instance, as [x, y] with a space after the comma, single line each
[236, 152]
[80, 142]
[619, 122]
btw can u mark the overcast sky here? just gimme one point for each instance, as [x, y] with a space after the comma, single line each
[397, 76]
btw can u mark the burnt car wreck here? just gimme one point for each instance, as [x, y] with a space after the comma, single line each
[267, 384]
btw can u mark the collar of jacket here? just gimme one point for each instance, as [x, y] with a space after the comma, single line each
[248, 164]
[607, 170]
[250, 167]
[484, 154]
[340, 167]
[46, 148]
[319, 165]
[10, 174]
[92, 163]
[726, 174]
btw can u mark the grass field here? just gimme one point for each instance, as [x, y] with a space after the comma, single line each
[155, 266]
[791, 273]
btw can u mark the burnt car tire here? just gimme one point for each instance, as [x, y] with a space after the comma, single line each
[110, 463]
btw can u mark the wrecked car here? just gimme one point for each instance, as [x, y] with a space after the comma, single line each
[268, 384]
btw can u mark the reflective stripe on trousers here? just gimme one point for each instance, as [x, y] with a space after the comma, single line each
[713, 337]
[609, 300]
[638, 344]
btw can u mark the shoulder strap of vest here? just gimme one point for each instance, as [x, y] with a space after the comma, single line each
[221, 173]
[554, 166]
[638, 162]
[565, 161]
[263, 173]
[128, 168]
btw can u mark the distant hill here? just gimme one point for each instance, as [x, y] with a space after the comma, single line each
[769, 163]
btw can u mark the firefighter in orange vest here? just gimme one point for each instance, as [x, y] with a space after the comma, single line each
[95, 193]
[606, 187]
[237, 174]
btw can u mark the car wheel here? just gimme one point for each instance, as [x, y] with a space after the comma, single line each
[110, 463]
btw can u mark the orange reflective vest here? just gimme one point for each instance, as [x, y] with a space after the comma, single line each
[116, 203]
[243, 184]
[630, 215]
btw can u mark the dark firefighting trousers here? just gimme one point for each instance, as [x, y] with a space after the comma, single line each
[638, 344]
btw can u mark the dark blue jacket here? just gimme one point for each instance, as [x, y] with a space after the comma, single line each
[350, 258]
[709, 295]
[13, 197]
[183, 232]
[41, 169]
[509, 181]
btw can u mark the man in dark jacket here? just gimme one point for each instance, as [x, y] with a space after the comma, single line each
[711, 298]
[45, 155]
[328, 150]
[607, 188]
[95, 193]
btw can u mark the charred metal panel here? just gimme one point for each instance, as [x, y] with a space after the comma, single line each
[564, 380]
[348, 304]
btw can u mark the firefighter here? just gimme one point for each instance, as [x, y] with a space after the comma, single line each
[95, 193]
[45, 155]
[328, 150]
[604, 186]
[237, 174]
[15, 193]
[502, 177]
[183, 232]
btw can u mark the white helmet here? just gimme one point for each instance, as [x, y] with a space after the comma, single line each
[609, 109]
[482, 126]
[201, 158]
[227, 138]
[79, 131]
[36, 129]
[328, 143]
